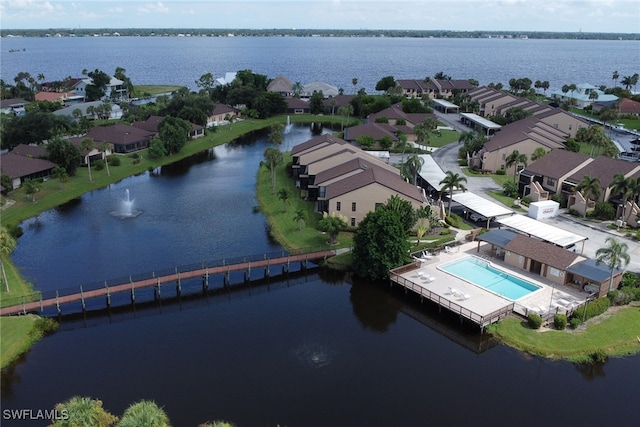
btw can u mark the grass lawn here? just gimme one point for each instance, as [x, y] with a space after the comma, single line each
[283, 228]
[445, 137]
[18, 333]
[141, 90]
[505, 200]
[615, 334]
[18, 287]
[499, 179]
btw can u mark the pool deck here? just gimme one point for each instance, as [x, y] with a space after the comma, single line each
[476, 303]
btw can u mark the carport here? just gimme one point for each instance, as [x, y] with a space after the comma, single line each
[482, 206]
[534, 228]
[444, 106]
[478, 122]
[431, 172]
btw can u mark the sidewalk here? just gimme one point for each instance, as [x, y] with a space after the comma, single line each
[599, 226]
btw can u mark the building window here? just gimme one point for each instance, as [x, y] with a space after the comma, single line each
[353, 222]
[338, 206]
[502, 167]
[551, 182]
[353, 206]
[504, 156]
[554, 272]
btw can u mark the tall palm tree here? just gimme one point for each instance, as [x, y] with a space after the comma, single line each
[402, 143]
[297, 89]
[284, 194]
[7, 245]
[589, 186]
[615, 255]
[61, 174]
[31, 187]
[514, 159]
[144, 413]
[452, 181]
[627, 82]
[332, 224]
[300, 217]
[275, 133]
[86, 145]
[103, 148]
[615, 78]
[422, 134]
[354, 82]
[273, 156]
[412, 167]
[622, 187]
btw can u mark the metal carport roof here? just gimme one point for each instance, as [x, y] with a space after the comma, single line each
[590, 269]
[484, 207]
[431, 172]
[542, 231]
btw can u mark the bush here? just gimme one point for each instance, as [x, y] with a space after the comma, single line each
[630, 279]
[98, 165]
[605, 211]
[114, 160]
[632, 294]
[560, 321]
[453, 220]
[445, 232]
[598, 356]
[45, 326]
[592, 309]
[501, 172]
[534, 320]
[574, 212]
[574, 322]
[526, 200]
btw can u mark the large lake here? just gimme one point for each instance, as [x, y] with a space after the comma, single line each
[310, 349]
[182, 60]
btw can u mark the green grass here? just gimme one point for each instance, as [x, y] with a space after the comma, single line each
[18, 287]
[141, 90]
[615, 334]
[18, 334]
[283, 228]
[445, 137]
[499, 179]
[505, 200]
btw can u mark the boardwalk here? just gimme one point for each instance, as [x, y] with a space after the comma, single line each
[133, 285]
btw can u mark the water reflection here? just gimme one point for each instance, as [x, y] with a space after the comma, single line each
[181, 167]
[374, 308]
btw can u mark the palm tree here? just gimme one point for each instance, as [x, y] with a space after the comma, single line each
[589, 186]
[60, 173]
[103, 148]
[422, 134]
[300, 217]
[31, 187]
[538, 153]
[332, 224]
[275, 133]
[402, 143]
[86, 145]
[615, 255]
[354, 82]
[83, 411]
[144, 413]
[622, 187]
[345, 110]
[7, 245]
[615, 78]
[284, 194]
[273, 156]
[297, 89]
[451, 182]
[412, 167]
[627, 82]
[514, 159]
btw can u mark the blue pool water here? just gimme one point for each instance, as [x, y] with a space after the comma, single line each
[481, 273]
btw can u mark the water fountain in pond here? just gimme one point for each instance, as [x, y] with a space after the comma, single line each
[287, 128]
[127, 209]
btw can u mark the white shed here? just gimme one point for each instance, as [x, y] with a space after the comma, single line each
[543, 209]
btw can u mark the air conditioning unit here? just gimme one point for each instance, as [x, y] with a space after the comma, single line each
[619, 223]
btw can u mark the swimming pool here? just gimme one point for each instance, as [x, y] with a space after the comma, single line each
[481, 273]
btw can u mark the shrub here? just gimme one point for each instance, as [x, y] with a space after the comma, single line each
[574, 212]
[501, 172]
[114, 160]
[526, 200]
[598, 356]
[98, 165]
[534, 320]
[136, 161]
[630, 279]
[605, 211]
[632, 294]
[591, 309]
[574, 322]
[560, 321]
[46, 326]
[445, 232]
[453, 220]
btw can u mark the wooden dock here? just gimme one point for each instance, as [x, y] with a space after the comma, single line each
[82, 295]
[477, 310]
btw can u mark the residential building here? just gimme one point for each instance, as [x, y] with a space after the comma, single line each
[115, 90]
[281, 85]
[584, 95]
[327, 90]
[221, 115]
[433, 88]
[13, 106]
[551, 171]
[605, 168]
[21, 168]
[297, 106]
[123, 138]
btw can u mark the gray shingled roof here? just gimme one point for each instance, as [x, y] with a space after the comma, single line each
[546, 253]
[17, 166]
[557, 163]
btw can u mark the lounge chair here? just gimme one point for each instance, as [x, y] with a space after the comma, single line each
[464, 297]
[430, 278]
[453, 291]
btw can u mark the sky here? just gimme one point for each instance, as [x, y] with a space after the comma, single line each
[618, 16]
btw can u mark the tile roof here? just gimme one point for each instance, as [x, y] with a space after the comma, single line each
[36, 151]
[317, 141]
[557, 163]
[374, 175]
[546, 253]
[340, 101]
[375, 130]
[119, 134]
[604, 168]
[151, 124]
[521, 130]
[17, 166]
[223, 109]
[629, 106]
[280, 84]
[293, 102]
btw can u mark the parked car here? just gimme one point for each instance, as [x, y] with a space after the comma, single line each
[475, 217]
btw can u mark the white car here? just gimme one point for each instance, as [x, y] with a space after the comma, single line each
[475, 217]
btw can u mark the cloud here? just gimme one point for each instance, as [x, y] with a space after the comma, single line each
[158, 7]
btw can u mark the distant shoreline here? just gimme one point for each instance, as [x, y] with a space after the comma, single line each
[238, 32]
